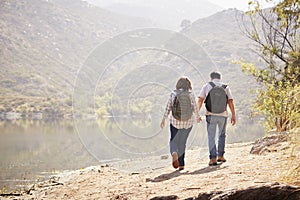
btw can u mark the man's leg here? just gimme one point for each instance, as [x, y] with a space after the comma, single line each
[211, 132]
[222, 122]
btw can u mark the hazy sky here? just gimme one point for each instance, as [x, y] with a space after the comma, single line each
[239, 4]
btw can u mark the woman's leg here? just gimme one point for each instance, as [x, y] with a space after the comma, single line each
[174, 145]
[182, 135]
[173, 139]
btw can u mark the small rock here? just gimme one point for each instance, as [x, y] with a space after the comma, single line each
[148, 179]
[164, 157]
[171, 197]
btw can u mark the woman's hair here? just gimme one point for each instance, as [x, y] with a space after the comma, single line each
[184, 83]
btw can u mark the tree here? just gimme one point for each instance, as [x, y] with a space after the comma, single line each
[275, 32]
[185, 24]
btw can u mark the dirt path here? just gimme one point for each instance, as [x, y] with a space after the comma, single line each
[241, 171]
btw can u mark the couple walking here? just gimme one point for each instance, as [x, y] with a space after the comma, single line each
[216, 96]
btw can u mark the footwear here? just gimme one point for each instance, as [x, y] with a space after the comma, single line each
[175, 160]
[181, 168]
[212, 162]
[221, 159]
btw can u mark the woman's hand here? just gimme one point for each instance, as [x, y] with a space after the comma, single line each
[199, 119]
[162, 123]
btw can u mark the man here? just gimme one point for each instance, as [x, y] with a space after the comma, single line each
[218, 118]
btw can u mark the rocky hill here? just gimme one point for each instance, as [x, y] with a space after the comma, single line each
[43, 44]
[222, 36]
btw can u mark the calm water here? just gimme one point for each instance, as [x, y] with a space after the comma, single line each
[34, 150]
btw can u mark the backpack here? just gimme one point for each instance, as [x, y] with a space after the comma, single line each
[182, 106]
[216, 100]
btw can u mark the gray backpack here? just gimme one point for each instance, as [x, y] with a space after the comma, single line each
[216, 100]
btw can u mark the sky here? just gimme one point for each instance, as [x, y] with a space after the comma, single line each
[239, 4]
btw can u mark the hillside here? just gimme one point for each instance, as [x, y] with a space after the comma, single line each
[219, 42]
[221, 35]
[43, 44]
[223, 40]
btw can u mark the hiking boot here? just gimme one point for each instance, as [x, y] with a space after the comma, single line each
[181, 168]
[175, 160]
[221, 159]
[212, 162]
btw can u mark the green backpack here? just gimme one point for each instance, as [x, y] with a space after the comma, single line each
[182, 105]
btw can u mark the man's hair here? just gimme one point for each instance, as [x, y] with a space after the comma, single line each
[184, 83]
[215, 75]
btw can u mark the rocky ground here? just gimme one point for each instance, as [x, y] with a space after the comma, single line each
[256, 173]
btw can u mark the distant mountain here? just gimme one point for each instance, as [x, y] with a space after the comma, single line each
[167, 13]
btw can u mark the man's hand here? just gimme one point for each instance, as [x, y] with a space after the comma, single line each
[233, 120]
[231, 106]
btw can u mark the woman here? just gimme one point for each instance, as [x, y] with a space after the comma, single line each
[180, 127]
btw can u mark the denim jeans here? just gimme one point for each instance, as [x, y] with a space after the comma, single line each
[178, 142]
[212, 123]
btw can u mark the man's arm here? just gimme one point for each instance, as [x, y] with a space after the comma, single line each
[200, 102]
[231, 106]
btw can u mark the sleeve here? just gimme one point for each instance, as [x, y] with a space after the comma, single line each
[228, 92]
[202, 93]
[169, 106]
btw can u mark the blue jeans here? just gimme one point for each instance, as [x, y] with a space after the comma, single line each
[212, 123]
[178, 142]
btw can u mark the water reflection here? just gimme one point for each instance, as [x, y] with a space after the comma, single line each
[34, 149]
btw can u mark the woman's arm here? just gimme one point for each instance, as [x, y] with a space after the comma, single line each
[195, 108]
[167, 111]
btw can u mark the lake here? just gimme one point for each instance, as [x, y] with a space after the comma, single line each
[34, 150]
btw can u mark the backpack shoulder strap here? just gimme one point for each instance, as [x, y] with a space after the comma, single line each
[224, 86]
[212, 84]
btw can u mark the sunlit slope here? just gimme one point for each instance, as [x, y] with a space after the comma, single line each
[44, 43]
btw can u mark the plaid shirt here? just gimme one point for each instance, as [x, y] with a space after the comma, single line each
[177, 123]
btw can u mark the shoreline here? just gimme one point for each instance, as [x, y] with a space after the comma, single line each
[157, 177]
